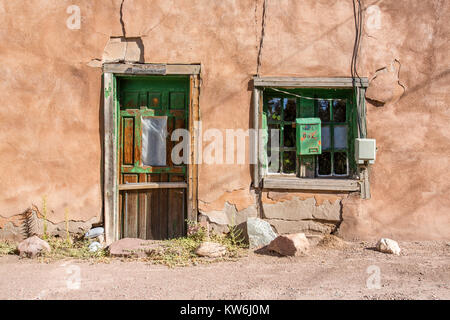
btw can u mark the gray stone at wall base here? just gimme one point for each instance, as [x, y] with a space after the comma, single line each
[219, 221]
[15, 233]
[212, 226]
[259, 232]
[11, 233]
[305, 226]
[297, 209]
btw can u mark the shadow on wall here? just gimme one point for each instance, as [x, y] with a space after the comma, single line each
[117, 50]
[222, 181]
[101, 129]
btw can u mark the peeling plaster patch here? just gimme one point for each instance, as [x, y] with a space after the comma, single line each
[134, 50]
[122, 49]
[239, 197]
[15, 220]
[230, 215]
[356, 224]
[95, 63]
[385, 86]
[273, 197]
[297, 209]
[115, 50]
[223, 217]
[219, 220]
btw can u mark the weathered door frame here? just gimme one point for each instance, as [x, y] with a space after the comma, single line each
[111, 136]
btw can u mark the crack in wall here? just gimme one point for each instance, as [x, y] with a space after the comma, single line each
[256, 25]
[261, 41]
[122, 23]
[382, 88]
[124, 32]
[398, 76]
[341, 219]
[147, 31]
[19, 217]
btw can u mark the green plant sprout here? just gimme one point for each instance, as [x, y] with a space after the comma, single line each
[44, 213]
[67, 225]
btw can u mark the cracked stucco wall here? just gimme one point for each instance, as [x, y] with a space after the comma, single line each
[294, 212]
[50, 142]
[13, 228]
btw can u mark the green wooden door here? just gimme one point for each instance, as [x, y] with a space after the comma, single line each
[152, 189]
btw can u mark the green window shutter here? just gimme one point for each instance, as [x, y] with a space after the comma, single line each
[265, 138]
[306, 162]
[306, 108]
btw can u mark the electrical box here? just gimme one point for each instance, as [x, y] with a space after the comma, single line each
[365, 150]
[309, 134]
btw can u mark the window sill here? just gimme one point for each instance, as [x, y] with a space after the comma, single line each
[295, 183]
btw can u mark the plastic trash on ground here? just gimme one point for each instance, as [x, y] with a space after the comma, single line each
[94, 233]
[95, 246]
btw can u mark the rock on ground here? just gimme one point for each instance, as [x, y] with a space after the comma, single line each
[388, 246]
[332, 242]
[33, 247]
[290, 244]
[211, 250]
[260, 233]
[132, 247]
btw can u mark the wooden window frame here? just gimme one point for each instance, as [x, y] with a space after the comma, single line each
[111, 117]
[263, 181]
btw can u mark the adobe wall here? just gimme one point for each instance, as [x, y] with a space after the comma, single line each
[50, 141]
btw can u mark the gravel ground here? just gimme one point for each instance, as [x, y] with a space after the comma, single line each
[422, 271]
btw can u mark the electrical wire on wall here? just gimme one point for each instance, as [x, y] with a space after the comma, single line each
[358, 20]
[359, 93]
[357, 12]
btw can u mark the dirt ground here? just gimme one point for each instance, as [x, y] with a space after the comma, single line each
[422, 271]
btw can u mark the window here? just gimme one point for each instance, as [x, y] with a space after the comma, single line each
[154, 134]
[335, 109]
[281, 115]
[334, 160]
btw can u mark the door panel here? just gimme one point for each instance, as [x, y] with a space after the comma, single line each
[154, 206]
[128, 140]
[131, 208]
[176, 208]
